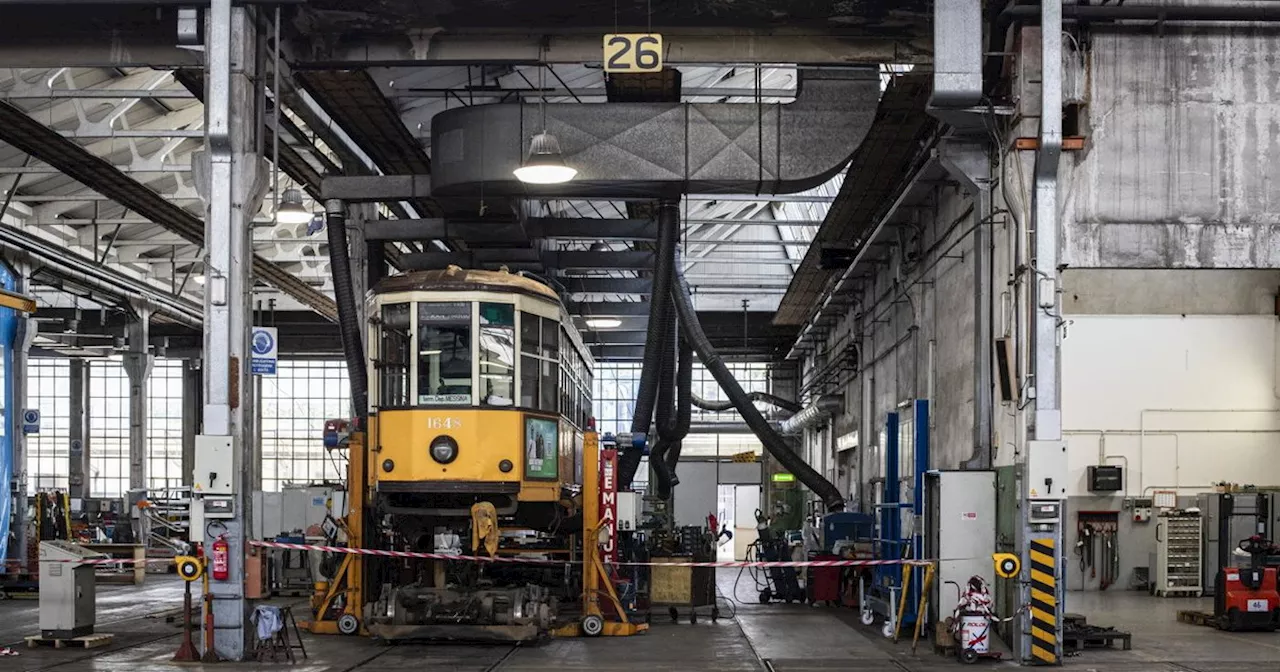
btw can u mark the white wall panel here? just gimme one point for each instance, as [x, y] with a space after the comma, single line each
[1187, 401]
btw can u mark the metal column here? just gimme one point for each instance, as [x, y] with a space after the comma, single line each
[233, 191]
[78, 451]
[137, 364]
[1045, 468]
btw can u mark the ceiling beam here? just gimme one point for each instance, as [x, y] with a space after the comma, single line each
[683, 46]
[78, 163]
[525, 258]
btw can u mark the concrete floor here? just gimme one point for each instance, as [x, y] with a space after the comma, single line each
[782, 638]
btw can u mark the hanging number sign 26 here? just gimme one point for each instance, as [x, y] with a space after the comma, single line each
[632, 52]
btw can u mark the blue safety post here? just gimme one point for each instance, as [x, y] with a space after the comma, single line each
[8, 338]
[920, 418]
[890, 576]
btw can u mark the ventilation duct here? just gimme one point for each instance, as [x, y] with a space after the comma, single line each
[812, 415]
[646, 150]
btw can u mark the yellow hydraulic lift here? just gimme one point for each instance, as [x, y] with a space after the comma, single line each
[594, 574]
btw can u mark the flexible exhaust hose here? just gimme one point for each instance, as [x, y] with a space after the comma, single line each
[684, 407]
[773, 442]
[659, 311]
[348, 317]
[778, 402]
[666, 420]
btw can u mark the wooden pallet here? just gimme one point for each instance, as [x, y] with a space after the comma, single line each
[1080, 641]
[1195, 617]
[86, 642]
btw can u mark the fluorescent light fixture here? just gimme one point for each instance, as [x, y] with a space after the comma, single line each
[604, 323]
[544, 164]
[428, 353]
[290, 210]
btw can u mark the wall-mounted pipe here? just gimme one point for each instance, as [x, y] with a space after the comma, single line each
[812, 415]
[773, 442]
[344, 295]
[1162, 13]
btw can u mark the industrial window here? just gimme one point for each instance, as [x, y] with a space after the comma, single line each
[164, 424]
[108, 428]
[393, 356]
[295, 404]
[614, 396]
[48, 390]
[444, 353]
[497, 354]
[752, 376]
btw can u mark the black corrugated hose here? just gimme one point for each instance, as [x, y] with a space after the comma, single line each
[684, 407]
[646, 392]
[773, 442]
[778, 402]
[665, 421]
[348, 317]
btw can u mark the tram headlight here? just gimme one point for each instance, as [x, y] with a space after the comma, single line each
[444, 449]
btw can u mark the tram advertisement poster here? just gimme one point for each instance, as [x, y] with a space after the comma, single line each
[541, 449]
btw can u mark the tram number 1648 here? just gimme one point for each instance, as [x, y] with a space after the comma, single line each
[444, 423]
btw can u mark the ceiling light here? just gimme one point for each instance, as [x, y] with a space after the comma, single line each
[290, 210]
[545, 164]
[604, 323]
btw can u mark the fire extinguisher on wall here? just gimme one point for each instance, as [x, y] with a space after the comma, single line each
[221, 559]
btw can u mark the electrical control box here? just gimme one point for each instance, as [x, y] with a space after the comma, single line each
[1046, 475]
[215, 466]
[1105, 478]
[1142, 510]
[628, 511]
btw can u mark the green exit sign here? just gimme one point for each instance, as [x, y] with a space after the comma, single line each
[784, 478]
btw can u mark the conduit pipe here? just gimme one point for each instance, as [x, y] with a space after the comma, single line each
[773, 442]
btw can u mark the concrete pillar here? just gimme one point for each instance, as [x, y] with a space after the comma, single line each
[78, 448]
[191, 389]
[137, 365]
[232, 187]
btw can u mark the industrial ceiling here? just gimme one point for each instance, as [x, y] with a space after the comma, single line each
[97, 140]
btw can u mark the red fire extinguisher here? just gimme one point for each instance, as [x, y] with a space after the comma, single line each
[221, 559]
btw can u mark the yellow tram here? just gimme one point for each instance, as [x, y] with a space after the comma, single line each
[480, 389]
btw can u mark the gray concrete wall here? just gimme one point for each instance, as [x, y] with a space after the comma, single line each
[1183, 148]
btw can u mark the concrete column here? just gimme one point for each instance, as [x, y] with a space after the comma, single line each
[191, 406]
[968, 160]
[233, 186]
[78, 469]
[137, 365]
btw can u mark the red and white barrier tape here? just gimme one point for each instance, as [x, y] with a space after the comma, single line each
[545, 561]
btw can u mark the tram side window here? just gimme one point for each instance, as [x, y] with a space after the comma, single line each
[393, 356]
[497, 354]
[444, 353]
[530, 331]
